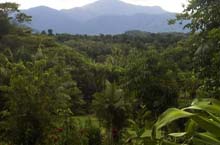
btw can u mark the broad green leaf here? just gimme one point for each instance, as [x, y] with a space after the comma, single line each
[209, 105]
[207, 137]
[198, 141]
[191, 127]
[169, 116]
[147, 133]
[131, 121]
[203, 116]
[209, 125]
[217, 119]
[180, 134]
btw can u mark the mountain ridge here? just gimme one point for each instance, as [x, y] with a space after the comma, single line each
[109, 7]
[103, 16]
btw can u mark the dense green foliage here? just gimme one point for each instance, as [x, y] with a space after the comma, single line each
[203, 125]
[201, 128]
[123, 81]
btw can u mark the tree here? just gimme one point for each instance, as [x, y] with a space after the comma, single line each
[153, 79]
[203, 15]
[202, 128]
[110, 107]
[43, 32]
[50, 32]
[5, 25]
[6, 11]
[35, 96]
[204, 22]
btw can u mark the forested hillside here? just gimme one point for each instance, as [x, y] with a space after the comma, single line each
[64, 89]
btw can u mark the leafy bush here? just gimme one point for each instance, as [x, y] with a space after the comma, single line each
[202, 128]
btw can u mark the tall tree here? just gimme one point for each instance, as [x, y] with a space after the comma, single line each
[204, 15]
[110, 107]
[204, 22]
[9, 13]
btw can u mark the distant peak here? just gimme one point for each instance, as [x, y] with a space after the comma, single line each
[42, 8]
[109, 1]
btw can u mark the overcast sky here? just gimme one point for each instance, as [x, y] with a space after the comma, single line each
[169, 5]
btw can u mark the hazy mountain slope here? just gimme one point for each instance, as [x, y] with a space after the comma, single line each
[44, 18]
[120, 24]
[109, 7]
[104, 16]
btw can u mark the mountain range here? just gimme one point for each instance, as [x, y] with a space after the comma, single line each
[103, 17]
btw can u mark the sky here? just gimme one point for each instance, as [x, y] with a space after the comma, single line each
[169, 5]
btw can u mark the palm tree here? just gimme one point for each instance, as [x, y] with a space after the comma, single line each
[110, 108]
